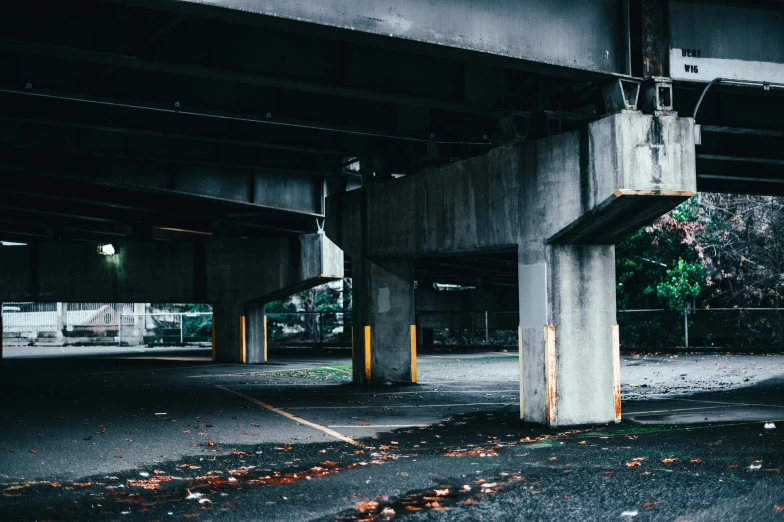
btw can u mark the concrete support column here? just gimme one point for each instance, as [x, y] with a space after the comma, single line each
[139, 323]
[569, 342]
[62, 319]
[227, 317]
[256, 333]
[384, 331]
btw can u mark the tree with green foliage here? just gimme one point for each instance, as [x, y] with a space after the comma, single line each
[325, 308]
[661, 265]
[715, 250]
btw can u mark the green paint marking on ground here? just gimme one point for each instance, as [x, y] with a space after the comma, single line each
[346, 368]
[323, 373]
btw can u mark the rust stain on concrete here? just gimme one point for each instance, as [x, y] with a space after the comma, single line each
[550, 373]
[616, 368]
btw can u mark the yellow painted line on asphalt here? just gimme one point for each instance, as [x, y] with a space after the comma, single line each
[293, 417]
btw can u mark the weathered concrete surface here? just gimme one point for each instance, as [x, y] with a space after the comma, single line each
[580, 304]
[526, 194]
[633, 169]
[256, 333]
[562, 202]
[383, 316]
[570, 34]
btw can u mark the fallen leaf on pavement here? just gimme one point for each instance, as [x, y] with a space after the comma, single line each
[192, 496]
[366, 505]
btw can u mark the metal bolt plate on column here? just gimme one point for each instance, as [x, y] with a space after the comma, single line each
[621, 95]
[657, 97]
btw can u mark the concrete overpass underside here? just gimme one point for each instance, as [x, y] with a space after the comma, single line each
[504, 145]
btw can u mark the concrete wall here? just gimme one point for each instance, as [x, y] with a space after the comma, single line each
[211, 270]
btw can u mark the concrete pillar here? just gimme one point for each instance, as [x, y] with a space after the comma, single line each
[256, 333]
[568, 336]
[384, 331]
[62, 319]
[139, 323]
[227, 317]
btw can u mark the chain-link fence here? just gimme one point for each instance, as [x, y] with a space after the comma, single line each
[95, 324]
[325, 328]
[725, 328]
[133, 324]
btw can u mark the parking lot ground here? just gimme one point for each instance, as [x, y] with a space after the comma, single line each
[165, 435]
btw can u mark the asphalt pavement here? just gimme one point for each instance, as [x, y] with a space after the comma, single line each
[152, 434]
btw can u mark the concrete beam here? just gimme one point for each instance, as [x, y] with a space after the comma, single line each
[211, 270]
[248, 187]
[569, 34]
[591, 186]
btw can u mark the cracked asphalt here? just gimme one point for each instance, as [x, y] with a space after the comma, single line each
[165, 435]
